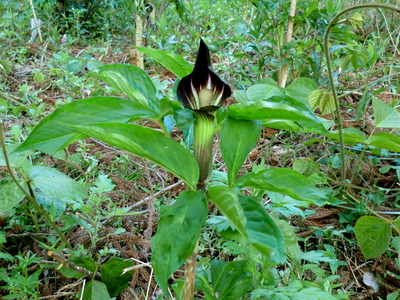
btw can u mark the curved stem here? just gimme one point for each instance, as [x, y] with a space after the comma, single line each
[163, 128]
[331, 24]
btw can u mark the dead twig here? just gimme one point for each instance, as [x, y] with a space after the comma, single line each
[61, 259]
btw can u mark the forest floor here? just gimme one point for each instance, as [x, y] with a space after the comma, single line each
[143, 187]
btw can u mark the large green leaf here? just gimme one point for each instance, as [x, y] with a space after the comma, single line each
[351, 136]
[95, 290]
[238, 137]
[10, 195]
[293, 250]
[111, 274]
[173, 62]
[385, 140]
[227, 201]
[262, 231]
[55, 206]
[385, 115]
[16, 159]
[263, 92]
[299, 126]
[373, 236]
[284, 181]
[230, 279]
[56, 184]
[177, 234]
[149, 144]
[301, 88]
[251, 221]
[130, 80]
[295, 291]
[56, 131]
[278, 108]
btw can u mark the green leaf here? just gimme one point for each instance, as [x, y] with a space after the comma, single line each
[385, 140]
[373, 236]
[149, 144]
[10, 195]
[251, 221]
[293, 293]
[75, 65]
[284, 181]
[16, 159]
[49, 203]
[130, 80]
[56, 184]
[397, 223]
[385, 115]
[306, 166]
[356, 21]
[351, 136]
[95, 290]
[5, 66]
[56, 131]
[293, 251]
[263, 92]
[3, 255]
[278, 108]
[102, 184]
[173, 62]
[299, 126]
[240, 96]
[111, 274]
[323, 100]
[230, 279]
[94, 64]
[227, 201]
[177, 234]
[238, 138]
[3, 103]
[263, 233]
[393, 296]
[301, 88]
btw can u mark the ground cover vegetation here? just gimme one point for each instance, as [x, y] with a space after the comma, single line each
[199, 150]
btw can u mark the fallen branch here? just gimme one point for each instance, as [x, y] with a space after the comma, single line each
[61, 259]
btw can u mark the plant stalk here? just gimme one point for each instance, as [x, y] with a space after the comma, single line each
[203, 143]
[138, 38]
[190, 275]
[37, 25]
[283, 70]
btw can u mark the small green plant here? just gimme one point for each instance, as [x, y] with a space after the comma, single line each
[21, 283]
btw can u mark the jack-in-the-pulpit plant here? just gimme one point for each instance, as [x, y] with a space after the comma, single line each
[203, 92]
[111, 120]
